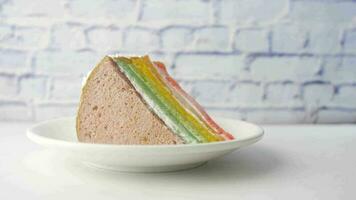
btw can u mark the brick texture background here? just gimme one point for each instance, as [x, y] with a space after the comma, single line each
[277, 61]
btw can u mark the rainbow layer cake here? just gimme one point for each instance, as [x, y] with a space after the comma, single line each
[132, 100]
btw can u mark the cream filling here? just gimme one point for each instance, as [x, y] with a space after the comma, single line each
[85, 78]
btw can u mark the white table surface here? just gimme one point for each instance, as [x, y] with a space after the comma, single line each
[290, 162]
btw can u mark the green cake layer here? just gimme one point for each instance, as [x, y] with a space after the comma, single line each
[160, 109]
[147, 81]
[191, 122]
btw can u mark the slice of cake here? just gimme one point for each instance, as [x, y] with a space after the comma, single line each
[131, 100]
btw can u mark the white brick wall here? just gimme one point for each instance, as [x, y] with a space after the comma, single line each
[104, 39]
[67, 37]
[140, 40]
[176, 38]
[259, 37]
[284, 68]
[173, 11]
[281, 61]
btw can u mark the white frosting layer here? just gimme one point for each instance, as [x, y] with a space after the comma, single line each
[85, 78]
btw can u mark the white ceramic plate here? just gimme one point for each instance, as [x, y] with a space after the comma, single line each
[60, 134]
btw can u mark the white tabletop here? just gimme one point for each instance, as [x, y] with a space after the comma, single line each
[290, 162]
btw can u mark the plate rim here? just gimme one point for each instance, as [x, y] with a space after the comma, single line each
[51, 142]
